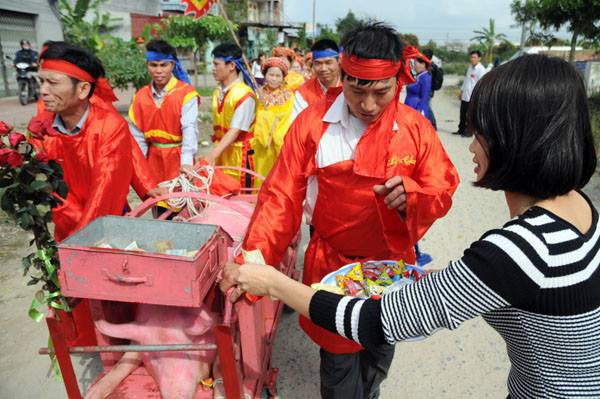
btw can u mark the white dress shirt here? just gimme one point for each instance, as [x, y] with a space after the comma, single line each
[474, 73]
[337, 144]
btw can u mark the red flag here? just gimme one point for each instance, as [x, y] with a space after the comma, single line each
[197, 7]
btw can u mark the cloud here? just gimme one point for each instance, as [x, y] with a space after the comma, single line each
[429, 19]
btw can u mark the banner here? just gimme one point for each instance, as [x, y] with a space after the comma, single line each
[196, 7]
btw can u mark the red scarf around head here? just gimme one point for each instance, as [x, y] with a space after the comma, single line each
[103, 89]
[371, 155]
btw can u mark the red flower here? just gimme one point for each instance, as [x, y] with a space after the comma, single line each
[41, 156]
[14, 159]
[10, 157]
[4, 128]
[41, 125]
[4, 155]
[14, 138]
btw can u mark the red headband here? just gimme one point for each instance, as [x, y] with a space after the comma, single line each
[369, 68]
[102, 89]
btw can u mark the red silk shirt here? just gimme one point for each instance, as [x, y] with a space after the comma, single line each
[97, 165]
[351, 222]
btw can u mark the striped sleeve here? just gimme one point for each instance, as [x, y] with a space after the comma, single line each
[352, 318]
[441, 300]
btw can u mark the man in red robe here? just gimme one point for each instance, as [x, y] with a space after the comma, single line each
[81, 130]
[326, 74]
[372, 176]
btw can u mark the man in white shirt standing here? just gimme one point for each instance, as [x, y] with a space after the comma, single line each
[474, 73]
[326, 72]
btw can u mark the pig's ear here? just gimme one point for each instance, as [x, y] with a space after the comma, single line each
[201, 324]
[129, 331]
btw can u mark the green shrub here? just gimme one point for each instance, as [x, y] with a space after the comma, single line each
[455, 68]
[125, 63]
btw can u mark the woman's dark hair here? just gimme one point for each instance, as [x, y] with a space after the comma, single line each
[372, 40]
[225, 50]
[532, 114]
[324, 44]
[77, 56]
[161, 46]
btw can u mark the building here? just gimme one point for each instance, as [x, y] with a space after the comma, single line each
[39, 21]
[131, 16]
[33, 20]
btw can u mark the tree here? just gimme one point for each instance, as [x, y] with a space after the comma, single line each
[431, 45]
[186, 33]
[124, 63]
[580, 16]
[488, 37]
[524, 12]
[505, 50]
[409, 39]
[303, 41]
[325, 32]
[346, 24]
[77, 30]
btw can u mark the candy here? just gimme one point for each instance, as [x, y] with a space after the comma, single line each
[371, 278]
[356, 273]
[353, 288]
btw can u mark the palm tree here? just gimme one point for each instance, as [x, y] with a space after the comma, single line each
[488, 37]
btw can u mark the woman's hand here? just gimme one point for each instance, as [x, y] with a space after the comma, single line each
[265, 280]
[256, 279]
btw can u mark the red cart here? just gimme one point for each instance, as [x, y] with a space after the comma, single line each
[108, 283]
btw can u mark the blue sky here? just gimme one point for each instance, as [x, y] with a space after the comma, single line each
[429, 19]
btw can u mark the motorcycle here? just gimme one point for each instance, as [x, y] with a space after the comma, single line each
[29, 88]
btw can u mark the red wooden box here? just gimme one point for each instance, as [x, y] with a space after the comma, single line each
[88, 271]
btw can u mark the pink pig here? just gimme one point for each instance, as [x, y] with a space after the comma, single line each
[177, 373]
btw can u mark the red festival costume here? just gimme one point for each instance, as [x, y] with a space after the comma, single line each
[99, 163]
[161, 125]
[312, 91]
[350, 222]
[97, 168]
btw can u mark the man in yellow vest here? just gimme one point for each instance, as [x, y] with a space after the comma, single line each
[233, 107]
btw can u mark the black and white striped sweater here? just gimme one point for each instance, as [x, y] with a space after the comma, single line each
[536, 281]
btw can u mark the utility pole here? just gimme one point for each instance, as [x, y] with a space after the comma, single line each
[314, 21]
[3, 67]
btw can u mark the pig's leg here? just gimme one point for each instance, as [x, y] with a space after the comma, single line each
[129, 362]
[218, 388]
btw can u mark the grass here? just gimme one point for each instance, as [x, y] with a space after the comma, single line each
[455, 68]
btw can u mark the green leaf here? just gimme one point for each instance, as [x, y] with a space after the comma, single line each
[38, 185]
[7, 203]
[25, 220]
[62, 189]
[7, 183]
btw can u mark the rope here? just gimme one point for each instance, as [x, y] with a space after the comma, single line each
[183, 184]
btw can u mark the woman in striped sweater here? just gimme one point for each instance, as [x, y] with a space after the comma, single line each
[535, 280]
